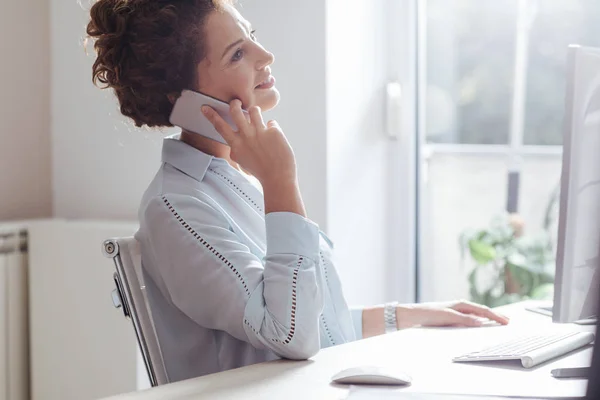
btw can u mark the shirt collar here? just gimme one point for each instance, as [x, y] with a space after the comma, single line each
[185, 158]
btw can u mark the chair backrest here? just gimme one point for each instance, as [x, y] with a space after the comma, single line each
[130, 294]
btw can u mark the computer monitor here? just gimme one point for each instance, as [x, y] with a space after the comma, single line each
[578, 249]
[593, 388]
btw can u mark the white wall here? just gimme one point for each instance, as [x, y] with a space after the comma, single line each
[369, 180]
[357, 147]
[101, 164]
[25, 178]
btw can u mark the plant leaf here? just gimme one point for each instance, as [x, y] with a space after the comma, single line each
[518, 260]
[482, 252]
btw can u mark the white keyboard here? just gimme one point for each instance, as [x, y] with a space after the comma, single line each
[532, 349]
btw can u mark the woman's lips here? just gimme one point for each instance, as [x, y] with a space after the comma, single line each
[267, 84]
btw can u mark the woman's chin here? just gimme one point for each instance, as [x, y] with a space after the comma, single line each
[267, 99]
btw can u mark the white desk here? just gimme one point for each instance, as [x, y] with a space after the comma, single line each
[425, 354]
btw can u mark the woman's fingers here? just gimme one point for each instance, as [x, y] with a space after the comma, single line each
[449, 317]
[263, 151]
[235, 107]
[256, 117]
[460, 319]
[273, 124]
[467, 307]
[219, 123]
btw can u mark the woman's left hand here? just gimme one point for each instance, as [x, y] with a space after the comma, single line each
[456, 313]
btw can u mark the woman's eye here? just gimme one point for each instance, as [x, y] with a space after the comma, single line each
[237, 56]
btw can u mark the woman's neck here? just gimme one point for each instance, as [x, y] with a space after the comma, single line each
[209, 146]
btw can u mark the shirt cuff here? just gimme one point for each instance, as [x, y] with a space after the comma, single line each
[290, 233]
[356, 314]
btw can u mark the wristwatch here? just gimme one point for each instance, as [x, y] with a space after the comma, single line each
[389, 314]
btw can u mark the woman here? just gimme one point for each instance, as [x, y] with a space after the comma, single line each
[235, 271]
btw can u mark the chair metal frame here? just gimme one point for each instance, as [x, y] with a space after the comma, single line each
[129, 295]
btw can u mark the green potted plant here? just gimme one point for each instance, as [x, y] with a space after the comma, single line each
[509, 265]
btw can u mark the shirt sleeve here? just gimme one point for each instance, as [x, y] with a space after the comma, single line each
[356, 313]
[214, 279]
[333, 285]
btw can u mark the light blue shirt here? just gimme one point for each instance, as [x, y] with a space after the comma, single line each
[229, 286]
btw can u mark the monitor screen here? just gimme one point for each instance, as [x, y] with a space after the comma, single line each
[578, 255]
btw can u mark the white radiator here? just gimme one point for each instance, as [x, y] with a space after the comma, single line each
[14, 337]
[60, 336]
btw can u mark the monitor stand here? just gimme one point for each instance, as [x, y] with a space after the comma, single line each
[546, 309]
[587, 321]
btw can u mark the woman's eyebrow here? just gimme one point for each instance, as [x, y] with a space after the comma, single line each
[230, 46]
[249, 30]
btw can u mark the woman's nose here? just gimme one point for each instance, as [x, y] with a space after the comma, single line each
[267, 58]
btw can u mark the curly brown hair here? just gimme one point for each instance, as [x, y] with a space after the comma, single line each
[147, 51]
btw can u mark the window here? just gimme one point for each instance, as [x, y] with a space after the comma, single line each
[474, 67]
[491, 121]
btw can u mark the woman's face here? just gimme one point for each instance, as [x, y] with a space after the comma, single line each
[236, 66]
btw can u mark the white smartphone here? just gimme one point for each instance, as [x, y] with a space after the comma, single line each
[187, 114]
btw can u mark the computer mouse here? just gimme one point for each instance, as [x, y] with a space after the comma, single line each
[371, 375]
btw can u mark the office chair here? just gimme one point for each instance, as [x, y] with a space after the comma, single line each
[130, 295]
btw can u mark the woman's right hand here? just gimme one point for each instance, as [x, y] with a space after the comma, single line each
[262, 150]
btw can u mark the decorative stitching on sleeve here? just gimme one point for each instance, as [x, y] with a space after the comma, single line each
[324, 267]
[250, 326]
[327, 330]
[293, 316]
[206, 244]
[240, 191]
[290, 335]
[327, 282]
